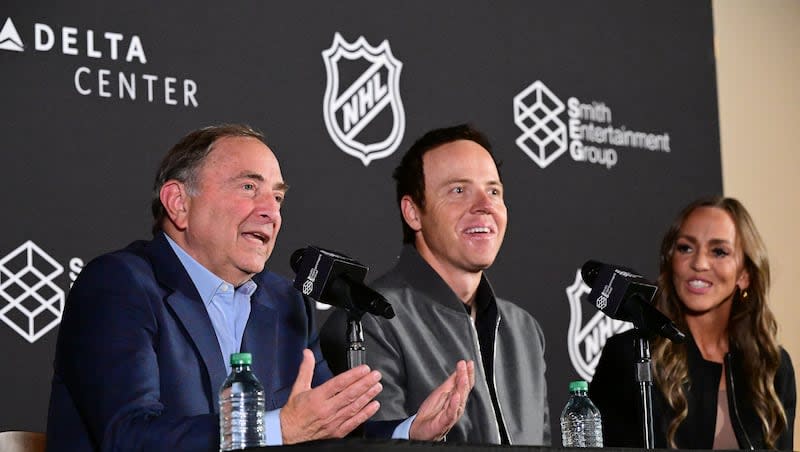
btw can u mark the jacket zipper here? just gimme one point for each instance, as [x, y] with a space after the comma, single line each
[732, 399]
[494, 380]
[480, 361]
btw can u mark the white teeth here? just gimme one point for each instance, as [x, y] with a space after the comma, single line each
[258, 236]
[697, 284]
[477, 230]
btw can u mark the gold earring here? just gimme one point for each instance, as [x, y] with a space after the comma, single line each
[744, 294]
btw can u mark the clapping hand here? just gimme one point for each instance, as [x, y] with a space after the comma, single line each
[445, 405]
[332, 409]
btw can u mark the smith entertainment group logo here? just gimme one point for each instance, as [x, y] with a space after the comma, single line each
[544, 136]
[96, 49]
[362, 107]
[589, 134]
[32, 303]
[586, 341]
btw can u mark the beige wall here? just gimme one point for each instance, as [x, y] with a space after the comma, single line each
[758, 74]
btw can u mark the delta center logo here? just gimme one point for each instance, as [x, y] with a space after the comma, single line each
[99, 56]
[589, 133]
[362, 107]
[585, 340]
[31, 301]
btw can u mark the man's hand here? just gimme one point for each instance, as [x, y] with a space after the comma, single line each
[445, 405]
[332, 409]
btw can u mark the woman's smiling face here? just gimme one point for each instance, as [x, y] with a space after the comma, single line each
[708, 262]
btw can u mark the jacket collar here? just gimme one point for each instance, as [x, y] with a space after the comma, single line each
[418, 274]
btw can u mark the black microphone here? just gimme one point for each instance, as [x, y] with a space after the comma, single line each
[335, 279]
[622, 294]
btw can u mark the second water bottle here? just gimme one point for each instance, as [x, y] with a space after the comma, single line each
[581, 425]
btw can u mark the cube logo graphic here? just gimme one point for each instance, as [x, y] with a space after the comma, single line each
[544, 135]
[362, 108]
[32, 304]
[585, 342]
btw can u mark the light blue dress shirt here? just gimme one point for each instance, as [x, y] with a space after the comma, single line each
[229, 308]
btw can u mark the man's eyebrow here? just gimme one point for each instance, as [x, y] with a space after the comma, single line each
[281, 186]
[246, 175]
[468, 181]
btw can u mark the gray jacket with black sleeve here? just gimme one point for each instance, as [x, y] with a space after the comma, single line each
[418, 349]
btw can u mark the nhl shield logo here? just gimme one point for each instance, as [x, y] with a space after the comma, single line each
[362, 107]
[586, 341]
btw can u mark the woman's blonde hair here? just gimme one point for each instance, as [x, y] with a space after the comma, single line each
[752, 327]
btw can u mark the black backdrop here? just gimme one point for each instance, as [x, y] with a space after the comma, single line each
[78, 158]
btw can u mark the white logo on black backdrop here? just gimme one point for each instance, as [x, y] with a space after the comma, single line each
[33, 303]
[362, 107]
[9, 38]
[591, 133]
[105, 82]
[544, 136]
[586, 341]
[30, 299]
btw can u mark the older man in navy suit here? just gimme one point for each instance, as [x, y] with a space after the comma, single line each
[143, 344]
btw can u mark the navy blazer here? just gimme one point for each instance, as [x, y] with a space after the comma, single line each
[138, 365]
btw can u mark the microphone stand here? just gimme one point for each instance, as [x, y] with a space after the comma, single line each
[643, 367]
[648, 324]
[644, 375]
[356, 351]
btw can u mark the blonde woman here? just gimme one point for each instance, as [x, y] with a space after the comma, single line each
[730, 386]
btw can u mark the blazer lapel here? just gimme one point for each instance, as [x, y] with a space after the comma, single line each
[193, 316]
[190, 311]
[261, 339]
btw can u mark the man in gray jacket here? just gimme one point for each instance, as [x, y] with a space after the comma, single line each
[454, 219]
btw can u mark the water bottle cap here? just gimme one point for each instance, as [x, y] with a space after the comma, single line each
[241, 358]
[578, 385]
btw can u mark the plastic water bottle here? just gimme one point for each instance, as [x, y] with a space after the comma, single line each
[241, 407]
[581, 425]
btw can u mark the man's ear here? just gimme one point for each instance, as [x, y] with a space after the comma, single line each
[410, 212]
[176, 201]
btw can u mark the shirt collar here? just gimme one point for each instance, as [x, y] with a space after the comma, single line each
[484, 296]
[207, 283]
